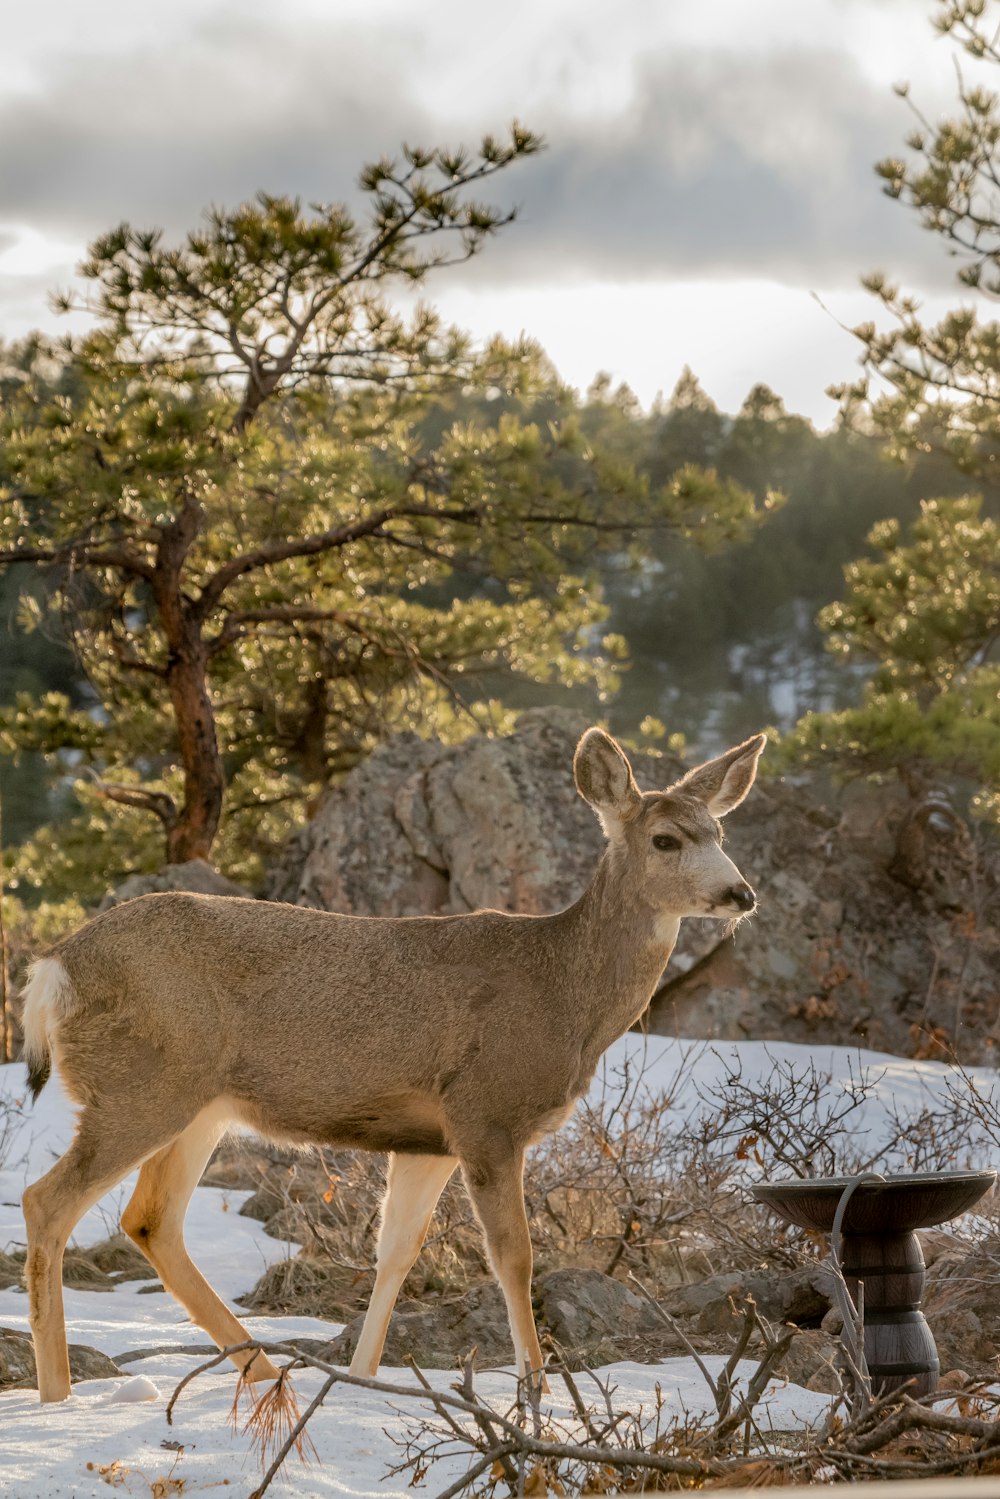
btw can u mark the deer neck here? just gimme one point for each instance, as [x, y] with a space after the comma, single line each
[620, 947]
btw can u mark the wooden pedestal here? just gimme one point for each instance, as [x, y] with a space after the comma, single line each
[899, 1345]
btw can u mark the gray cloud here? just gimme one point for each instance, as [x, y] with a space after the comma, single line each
[723, 164]
[724, 167]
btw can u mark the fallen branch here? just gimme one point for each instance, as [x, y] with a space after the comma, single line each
[500, 1434]
[534, 1451]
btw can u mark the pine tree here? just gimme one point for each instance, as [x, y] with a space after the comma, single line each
[250, 502]
[926, 608]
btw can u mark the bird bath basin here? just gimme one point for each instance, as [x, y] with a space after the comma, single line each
[878, 1246]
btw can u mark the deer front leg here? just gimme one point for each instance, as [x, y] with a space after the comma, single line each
[415, 1183]
[497, 1191]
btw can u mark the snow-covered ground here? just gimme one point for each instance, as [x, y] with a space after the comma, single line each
[59, 1450]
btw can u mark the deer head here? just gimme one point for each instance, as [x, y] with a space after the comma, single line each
[668, 844]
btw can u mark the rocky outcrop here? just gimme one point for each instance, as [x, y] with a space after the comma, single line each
[843, 948]
[423, 828]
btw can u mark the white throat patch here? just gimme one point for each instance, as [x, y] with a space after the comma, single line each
[665, 929]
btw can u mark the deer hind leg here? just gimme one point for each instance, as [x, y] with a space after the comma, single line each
[154, 1219]
[414, 1186]
[105, 1149]
[497, 1191]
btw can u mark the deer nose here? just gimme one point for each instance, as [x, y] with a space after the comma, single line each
[743, 896]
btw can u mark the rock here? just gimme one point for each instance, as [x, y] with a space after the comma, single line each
[356, 857]
[962, 1339]
[315, 1346]
[811, 1361]
[438, 1334]
[935, 1243]
[422, 827]
[512, 832]
[266, 1201]
[89, 1363]
[800, 1296]
[583, 1308]
[17, 1358]
[159, 1350]
[196, 875]
[17, 1361]
[961, 1303]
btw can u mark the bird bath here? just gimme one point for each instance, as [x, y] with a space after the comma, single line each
[878, 1246]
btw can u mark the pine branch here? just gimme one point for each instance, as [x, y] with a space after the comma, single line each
[159, 803]
[311, 546]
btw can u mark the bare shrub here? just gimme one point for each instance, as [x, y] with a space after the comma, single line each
[654, 1179]
[649, 1177]
[11, 1120]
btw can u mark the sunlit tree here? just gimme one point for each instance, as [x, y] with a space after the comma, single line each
[929, 386]
[250, 512]
[924, 612]
[925, 609]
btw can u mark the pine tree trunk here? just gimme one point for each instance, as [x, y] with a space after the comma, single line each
[193, 834]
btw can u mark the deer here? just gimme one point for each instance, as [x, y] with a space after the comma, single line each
[447, 1041]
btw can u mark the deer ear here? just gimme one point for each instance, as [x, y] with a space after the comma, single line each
[604, 779]
[723, 783]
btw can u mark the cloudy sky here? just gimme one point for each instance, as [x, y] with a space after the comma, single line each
[707, 185]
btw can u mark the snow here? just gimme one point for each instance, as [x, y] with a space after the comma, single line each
[45, 1450]
[60, 1449]
[896, 1089]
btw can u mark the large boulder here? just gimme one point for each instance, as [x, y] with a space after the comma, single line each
[595, 1318]
[424, 828]
[857, 938]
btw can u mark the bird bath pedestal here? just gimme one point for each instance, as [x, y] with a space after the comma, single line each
[879, 1247]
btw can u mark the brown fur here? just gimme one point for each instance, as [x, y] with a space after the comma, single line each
[461, 1038]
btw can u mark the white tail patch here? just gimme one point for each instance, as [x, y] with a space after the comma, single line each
[48, 998]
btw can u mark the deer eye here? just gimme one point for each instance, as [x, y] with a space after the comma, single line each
[666, 841]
